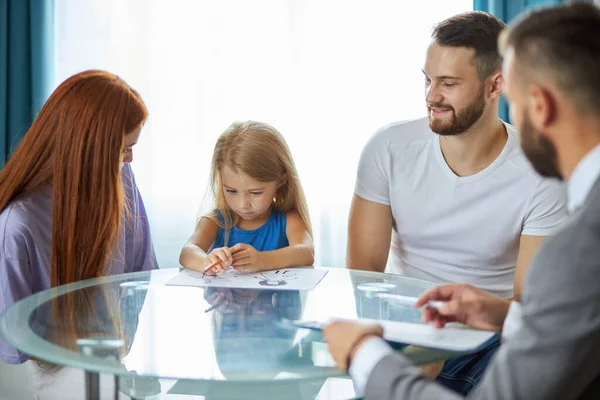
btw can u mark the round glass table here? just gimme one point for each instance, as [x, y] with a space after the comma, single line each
[214, 342]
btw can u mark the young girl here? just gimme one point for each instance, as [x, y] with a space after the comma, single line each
[260, 221]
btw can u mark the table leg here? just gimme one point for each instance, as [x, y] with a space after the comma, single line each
[92, 385]
[117, 387]
[101, 347]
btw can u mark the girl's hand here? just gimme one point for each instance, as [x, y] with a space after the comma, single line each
[246, 257]
[222, 254]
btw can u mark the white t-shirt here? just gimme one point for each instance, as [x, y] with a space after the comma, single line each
[456, 229]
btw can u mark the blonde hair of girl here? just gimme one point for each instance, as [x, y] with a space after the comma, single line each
[259, 151]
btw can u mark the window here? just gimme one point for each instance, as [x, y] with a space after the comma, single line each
[326, 73]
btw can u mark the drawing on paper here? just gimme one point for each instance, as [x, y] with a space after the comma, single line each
[278, 280]
[227, 274]
[285, 278]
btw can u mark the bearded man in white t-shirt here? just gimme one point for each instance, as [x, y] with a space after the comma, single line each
[453, 193]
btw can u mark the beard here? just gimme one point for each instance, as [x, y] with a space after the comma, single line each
[540, 152]
[459, 122]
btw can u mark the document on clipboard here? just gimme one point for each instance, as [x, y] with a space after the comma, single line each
[448, 338]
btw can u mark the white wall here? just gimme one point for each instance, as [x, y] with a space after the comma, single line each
[327, 74]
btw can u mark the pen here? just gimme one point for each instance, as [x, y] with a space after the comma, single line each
[408, 301]
[211, 266]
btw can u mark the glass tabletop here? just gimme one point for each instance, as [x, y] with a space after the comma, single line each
[139, 325]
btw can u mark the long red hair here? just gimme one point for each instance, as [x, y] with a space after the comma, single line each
[75, 146]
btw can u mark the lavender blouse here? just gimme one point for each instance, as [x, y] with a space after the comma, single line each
[25, 238]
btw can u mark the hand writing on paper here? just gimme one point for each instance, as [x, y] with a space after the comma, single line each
[246, 257]
[222, 254]
[465, 304]
[345, 338]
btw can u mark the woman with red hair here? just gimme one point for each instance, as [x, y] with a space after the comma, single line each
[69, 206]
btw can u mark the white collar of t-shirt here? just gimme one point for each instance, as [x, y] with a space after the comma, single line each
[508, 146]
[583, 178]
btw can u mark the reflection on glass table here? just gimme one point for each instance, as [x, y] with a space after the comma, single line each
[212, 342]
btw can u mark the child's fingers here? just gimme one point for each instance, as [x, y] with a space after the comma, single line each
[224, 257]
[238, 247]
[218, 268]
[227, 252]
[241, 263]
[240, 255]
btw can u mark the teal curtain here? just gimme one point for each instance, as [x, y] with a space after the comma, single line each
[26, 66]
[507, 10]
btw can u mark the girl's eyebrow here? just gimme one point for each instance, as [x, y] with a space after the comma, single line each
[249, 190]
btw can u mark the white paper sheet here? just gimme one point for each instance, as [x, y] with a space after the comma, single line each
[452, 339]
[281, 279]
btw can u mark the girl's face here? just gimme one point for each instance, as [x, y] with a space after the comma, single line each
[247, 197]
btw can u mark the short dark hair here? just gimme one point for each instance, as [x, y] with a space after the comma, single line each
[563, 42]
[476, 30]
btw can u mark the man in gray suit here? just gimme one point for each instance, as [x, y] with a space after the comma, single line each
[551, 339]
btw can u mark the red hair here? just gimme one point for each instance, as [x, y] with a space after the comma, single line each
[75, 145]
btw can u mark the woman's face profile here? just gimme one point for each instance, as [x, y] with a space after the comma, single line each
[130, 140]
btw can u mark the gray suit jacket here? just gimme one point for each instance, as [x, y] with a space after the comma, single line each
[556, 352]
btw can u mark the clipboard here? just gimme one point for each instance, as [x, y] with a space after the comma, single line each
[398, 333]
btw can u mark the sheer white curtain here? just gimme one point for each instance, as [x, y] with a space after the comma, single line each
[326, 73]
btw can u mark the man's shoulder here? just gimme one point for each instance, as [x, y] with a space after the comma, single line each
[402, 133]
[407, 131]
[517, 159]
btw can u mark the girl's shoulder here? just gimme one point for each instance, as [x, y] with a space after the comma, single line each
[293, 220]
[213, 217]
[291, 215]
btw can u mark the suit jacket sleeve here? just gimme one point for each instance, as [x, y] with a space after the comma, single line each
[556, 351]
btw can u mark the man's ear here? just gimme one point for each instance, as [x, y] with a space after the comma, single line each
[496, 85]
[542, 107]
